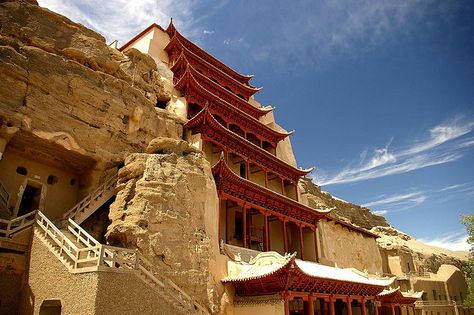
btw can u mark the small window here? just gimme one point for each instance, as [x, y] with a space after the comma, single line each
[21, 170]
[52, 179]
[72, 182]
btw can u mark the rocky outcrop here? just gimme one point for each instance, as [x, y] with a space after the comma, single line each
[358, 215]
[61, 84]
[166, 207]
[430, 258]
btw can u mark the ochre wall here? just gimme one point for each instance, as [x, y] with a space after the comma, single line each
[261, 309]
[56, 198]
[349, 249]
[50, 279]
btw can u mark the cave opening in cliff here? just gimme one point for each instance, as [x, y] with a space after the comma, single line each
[43, 174]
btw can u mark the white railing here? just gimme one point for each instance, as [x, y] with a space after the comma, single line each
[423, 274]
[95, 254]
[109, 184]
[9, 227]
[4, 197]
[76, 257]
[426, 303]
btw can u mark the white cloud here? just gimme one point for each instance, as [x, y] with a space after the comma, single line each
[380, 212]
[456, 241]
[122, 19]
[403, 200]
[445, 143]
[208, 32]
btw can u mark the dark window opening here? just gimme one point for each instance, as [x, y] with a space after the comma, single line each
[161, 104]
[72, 182]
[243, 170]
[30, 200]
[239, 227]
[52, 179]
[21, 170]
[50, 307]
[241, 96]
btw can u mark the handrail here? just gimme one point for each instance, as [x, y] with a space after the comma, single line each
[112, 257]
[17, 223]
[87, 199]
[77, 230]
[4, 196]
[434, 303]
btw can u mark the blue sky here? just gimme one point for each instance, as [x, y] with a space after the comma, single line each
[381, 93]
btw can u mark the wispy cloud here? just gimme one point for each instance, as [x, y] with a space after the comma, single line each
[456, 241]
[316, 30]
[401, 201]
[444, 143]
[122, 19]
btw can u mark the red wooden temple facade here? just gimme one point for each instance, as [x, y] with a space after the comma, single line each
[258, 191]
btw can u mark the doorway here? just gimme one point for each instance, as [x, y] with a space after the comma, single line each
[30, 199]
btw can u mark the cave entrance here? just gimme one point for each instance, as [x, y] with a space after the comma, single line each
[30, 199]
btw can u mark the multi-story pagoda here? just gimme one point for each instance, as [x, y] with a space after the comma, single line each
[258, 191]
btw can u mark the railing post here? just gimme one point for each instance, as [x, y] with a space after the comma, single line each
[101, 254]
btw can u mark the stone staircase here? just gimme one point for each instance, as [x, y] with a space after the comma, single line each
[80, 253]
[87, 206]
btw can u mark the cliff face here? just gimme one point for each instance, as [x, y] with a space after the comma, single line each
[356, 214]
[166, 207]
[64, 88]
[428, 257]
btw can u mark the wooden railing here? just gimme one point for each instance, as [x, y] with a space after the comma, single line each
[9, 227]
[94, 254]
[4, 197]
[88, 201]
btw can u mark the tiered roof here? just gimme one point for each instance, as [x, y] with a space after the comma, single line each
[211, 130]
[209, 69]
[270, 272]
[173, 33]
[182, 78]
[232, 186]
[395, 296]
[194, 92]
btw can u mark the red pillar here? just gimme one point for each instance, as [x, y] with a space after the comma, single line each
[285, 236]
[266, 178]
[265, 230]
[247, 169]
[310, 304]
[316, 242]
[302, 245]
[331, 305]
[296, 191]
[363, 307]
[349, 306]
[282, 186]
[226, 223]
[376, 309]
[392, 307]
[244, 224]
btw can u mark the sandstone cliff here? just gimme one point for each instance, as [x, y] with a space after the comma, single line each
[358, 215]
[64, 89]
[166, 206]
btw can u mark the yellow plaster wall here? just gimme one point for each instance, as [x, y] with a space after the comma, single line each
[56, 198]
[348, 248]
[261, 309]
[153, 43]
